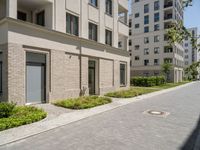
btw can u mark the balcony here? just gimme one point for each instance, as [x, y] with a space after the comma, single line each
[168, 14]
[123, 3]
[39, 12]
[123, 14]
[168, 3]
[168, 25]
[123, 28]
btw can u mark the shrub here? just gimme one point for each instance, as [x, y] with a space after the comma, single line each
[132, 92]
[22, 115]
[6, 109]
[148, 81]
[83, 102]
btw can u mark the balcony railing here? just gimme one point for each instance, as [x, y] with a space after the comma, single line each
[169, 16]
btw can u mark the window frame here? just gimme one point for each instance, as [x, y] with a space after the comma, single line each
[93, 28]
[72, 24]
[109, 7]
[125, 75]
[108, 37]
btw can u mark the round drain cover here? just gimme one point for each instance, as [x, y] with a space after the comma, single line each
[153, 112]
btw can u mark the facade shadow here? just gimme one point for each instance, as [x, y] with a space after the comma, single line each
[192, 139]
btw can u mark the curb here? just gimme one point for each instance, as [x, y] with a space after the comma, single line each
[16, 134]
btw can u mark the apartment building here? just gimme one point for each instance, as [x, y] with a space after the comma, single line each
[190, 55]
[148, 43]
[57, 49]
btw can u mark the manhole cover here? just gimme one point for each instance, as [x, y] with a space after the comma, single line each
[157, 113]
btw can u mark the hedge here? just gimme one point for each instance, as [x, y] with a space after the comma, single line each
[15, 116]
[148, 81]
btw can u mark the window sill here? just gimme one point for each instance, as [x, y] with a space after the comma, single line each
[110, 15]
[93, 6]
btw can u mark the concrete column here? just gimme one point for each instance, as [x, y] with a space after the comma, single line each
[11, 8]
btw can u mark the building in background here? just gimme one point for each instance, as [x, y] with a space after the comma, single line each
[148, 43]
[56, 49]
[191, 55]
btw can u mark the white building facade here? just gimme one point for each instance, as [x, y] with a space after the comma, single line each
[191, 55]
[148, 43]
[57, 49]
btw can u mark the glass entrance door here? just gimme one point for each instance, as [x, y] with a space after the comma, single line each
[91, 77]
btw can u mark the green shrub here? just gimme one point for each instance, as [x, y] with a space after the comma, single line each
[148, 81]
[132, 92]
[83, 102]
[6, 109]
[22, 115]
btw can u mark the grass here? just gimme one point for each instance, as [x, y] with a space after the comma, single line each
[136, 91]
[21, 115]
[132, 92]
[83, 102]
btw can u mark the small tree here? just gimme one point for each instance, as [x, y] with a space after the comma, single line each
[192, 71]
[166, 68]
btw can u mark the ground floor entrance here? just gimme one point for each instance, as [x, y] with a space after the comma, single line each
[35, 78]
[92, 77]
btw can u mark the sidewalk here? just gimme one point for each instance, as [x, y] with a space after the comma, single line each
[64, 117]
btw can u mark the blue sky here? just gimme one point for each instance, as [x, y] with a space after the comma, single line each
[192, 15]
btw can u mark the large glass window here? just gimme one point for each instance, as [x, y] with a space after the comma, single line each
[92, 31]
[109, 7]
[21, 16]
[146, 8]
[94, 2]
[156, 5]
[122, 74]
[72, 25]
[146, 19]
[109, 37]
[41, 18]
[156, 17]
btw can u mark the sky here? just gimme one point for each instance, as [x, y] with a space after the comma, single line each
[191, 15]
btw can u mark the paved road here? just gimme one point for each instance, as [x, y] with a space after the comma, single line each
[127, 127]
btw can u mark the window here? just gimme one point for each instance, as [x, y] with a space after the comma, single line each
[168, 60]
[137, 58]
[130, 43]
[146, 62]
[156, 38]
[137, 26]
[146, 19]
[186, 63]
[137, 47]
[137, 15]
[130, 32]
[92, 31]
[1, 77]
[21, 16]
[156, 62]
[186, 50]
[186, 44]
[109, 37]
[166, 37]
[120, 44]
[130, 23]
[72, 25]
[146, 51]
[156, 50]
[156, 5]
[109, 7]
[137, 1]
[168, 49]
[40, 18]
[186, 57]
[122, 74]
[156, 17]
[156, 27]
[146, 8]
[146, 40]
[146, 29]
[93, 2]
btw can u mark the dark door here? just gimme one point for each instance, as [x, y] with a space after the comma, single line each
[91, 77]
[35, 82]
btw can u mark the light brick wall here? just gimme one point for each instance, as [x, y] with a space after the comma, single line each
[84, 76]
[16, 74]
[65, 75]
